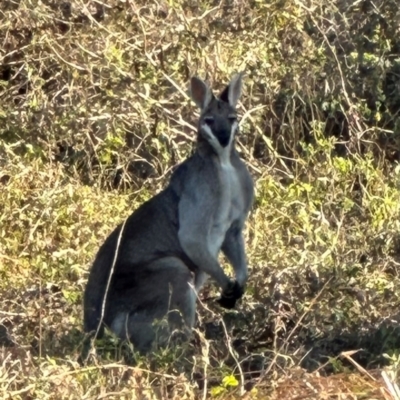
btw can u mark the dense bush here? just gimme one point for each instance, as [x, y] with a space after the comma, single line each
[94, 114]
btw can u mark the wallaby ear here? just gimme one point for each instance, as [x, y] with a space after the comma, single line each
[200, 92]
[233, 91]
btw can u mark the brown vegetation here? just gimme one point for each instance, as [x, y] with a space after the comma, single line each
[94, 114]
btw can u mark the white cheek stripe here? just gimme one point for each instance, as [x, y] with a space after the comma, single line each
[212, 139]
[233, 130]
[223, 152]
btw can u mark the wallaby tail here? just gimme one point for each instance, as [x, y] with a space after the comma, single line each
[95, 309]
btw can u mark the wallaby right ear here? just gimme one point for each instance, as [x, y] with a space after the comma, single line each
[200, 92]
[233, 91]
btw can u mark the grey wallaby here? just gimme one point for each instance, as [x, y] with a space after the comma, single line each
[170, 244]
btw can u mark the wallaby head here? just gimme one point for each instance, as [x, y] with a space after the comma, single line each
[218, 120]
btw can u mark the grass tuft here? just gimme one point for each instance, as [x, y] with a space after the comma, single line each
[94, 115]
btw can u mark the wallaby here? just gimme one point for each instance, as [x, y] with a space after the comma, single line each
[170, 244]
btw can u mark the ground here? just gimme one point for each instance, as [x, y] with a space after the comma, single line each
[94, 115]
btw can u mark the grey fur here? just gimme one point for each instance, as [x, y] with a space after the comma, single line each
[173, 240]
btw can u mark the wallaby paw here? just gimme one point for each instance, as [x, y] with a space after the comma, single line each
[229, 296]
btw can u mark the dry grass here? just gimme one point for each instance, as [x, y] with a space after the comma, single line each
[94, 114]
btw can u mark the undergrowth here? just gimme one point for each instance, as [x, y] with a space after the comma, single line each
[94, 115]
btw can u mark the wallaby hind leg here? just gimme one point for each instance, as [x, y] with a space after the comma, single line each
[136, 327]
[199, 280]
[165, 290]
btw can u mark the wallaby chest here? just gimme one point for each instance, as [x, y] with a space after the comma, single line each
[230, 204]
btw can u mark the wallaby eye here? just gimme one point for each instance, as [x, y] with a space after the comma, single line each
[232, 118]
[209, 120]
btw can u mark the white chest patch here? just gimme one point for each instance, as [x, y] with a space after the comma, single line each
[230, 205]
[230, 201]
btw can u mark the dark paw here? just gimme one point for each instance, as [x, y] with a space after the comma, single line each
[229, 297]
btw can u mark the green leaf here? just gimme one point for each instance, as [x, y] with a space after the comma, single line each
[230, 380]
[217, 391]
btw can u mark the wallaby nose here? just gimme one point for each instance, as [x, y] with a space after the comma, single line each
[223, 137]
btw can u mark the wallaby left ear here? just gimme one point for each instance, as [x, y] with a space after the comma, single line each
[200, 92]
[233, 91]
